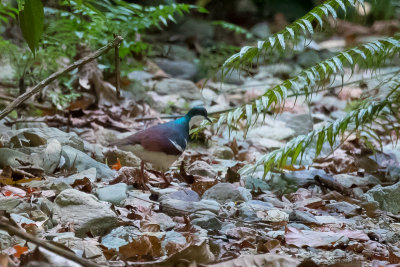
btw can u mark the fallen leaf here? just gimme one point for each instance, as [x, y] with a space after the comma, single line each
[19, 250]
[117, 166]
[84, 185]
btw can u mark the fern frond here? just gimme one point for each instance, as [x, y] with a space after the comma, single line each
[355, 120]
[234, 28]
[311, 80]
[289, 36]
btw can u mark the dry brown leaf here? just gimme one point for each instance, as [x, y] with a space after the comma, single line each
[202, 185]
[84, 185]
[270, 260]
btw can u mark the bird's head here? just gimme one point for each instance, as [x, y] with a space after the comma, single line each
[198, 111]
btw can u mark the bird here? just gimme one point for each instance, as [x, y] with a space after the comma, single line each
[162, 144]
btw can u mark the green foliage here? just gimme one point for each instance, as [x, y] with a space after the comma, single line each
[311, 80]
[6, 12]
[290, 36]
[234, 28]
[31, 20]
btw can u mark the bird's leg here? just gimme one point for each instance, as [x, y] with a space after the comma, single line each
[167, 182]
[142, 176]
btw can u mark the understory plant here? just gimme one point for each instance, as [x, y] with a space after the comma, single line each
[369, 56]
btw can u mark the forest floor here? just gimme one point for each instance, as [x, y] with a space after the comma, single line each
[62, 183]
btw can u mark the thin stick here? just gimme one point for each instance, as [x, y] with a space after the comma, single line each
[117, 69]
[10, 99]
[59, 251]
[19, 100]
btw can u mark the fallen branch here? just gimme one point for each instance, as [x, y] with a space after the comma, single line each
[59, 251]
[37, 105]
[19, 100]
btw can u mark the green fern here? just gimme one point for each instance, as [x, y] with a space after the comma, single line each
[290, 36]
[234, 28]
[311, 80]
[357, 119]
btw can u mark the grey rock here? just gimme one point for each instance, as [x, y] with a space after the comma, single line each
[178, 52]
[348, 180]
[163, 191]
[253, 183]
[299, 226]
[208, 222]
[235, 77]
[308, 58]
[184, 88]
[140, 75]
[85, 211]
[51, 156]
[281, 70]
[275, 132]
[38, 136]
[114, 194]
[201, 168]
[9, 157]
[173, 237]
[302, 216]
[89, 173]
[60, 186]
[223, 152]
[5, 240]
[200, 29]
[179, 69]
[248, 210]
[88, 248]
[300, 123]
[9, 203]
[175, 207]
[81, 161]
[120, 236]
[386, 198]
[303, 177]
[127, 159]
[345, 208]
[261, 30]
[224, 192]
[47, 206]
[185, 195]
[138, 198]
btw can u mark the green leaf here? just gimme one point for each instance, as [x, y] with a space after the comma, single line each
[320, 142]
[31, 21]
[281, 40]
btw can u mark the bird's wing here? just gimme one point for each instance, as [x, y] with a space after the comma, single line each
[159, 138]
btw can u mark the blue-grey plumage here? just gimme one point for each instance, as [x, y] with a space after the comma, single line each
[161, 144]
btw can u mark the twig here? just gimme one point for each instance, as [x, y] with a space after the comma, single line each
[10, 99]
[55, 75]
[117, 69]
[59, 251]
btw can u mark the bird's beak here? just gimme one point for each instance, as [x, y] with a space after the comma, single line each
[207, 118]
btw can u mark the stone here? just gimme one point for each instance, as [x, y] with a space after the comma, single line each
[349, 181]
[201, 30]
[184, 194]
[183, 88]
[138, 198]
[385, 197]
[281, 70]
[127, 159]
[308, 58]
[278, 132]
[38, 136]
[5, 240]
[9, 157]
[255, 184]
[84, 211]
[114, 194]
[164, 103]
[223, 152]
[300, 123]
[261, 30]
[302, 216]
[175, 207]
[177, 53]
[89, 173]
[224, 192]
[81, 161]
[207, 221]
[304, 177]
[87, 248]
[201, 168]
[9, 203]
[248, 210]
[51, 156]
[179, 69]
[120, 236]
[173, 237]
[343, 207]
[235, 77]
